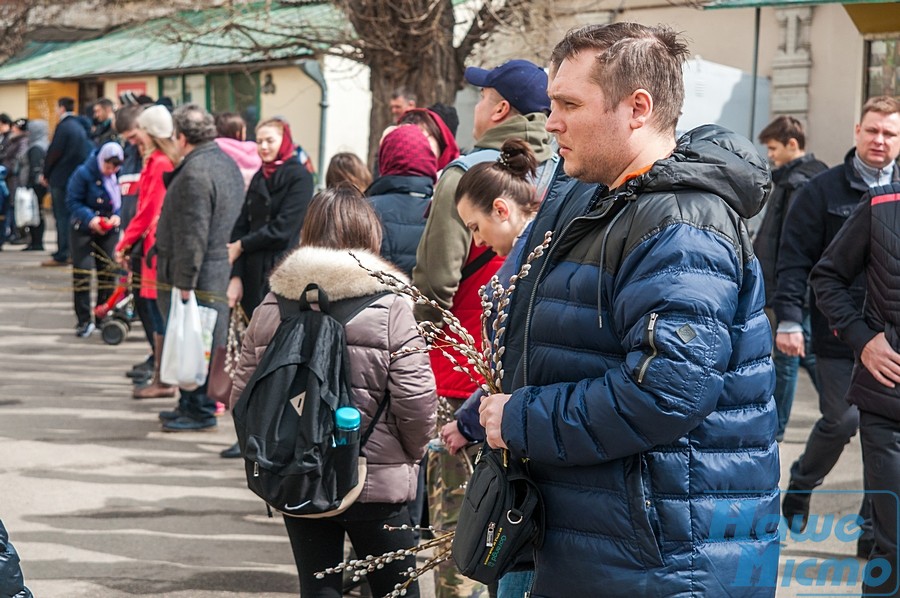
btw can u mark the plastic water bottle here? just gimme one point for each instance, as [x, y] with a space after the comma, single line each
[346, 423]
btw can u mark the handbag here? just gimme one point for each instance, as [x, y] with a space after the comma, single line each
[26, 208]
[501, 517]
[219, 383]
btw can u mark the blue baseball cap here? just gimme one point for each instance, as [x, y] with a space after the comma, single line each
[521, 83]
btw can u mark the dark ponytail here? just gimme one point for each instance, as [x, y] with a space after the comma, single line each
[511, 176]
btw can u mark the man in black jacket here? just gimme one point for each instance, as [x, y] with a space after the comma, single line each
[867, 245]
[818, 212]
[786, 143]
[69, 148]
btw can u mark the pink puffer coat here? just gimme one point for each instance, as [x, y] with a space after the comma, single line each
[374, 337]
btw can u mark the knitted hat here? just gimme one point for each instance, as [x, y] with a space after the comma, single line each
[157, 121]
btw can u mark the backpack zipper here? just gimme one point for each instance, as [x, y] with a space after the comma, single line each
[490, 535]
[256, 469]
[651, 338]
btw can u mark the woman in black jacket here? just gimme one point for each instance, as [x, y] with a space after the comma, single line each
[271, 217]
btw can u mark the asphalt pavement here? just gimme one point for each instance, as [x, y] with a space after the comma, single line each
[101, 503]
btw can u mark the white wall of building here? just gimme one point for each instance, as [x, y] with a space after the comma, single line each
[349, 104]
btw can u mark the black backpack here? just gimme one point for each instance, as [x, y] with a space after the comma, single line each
[285, 416]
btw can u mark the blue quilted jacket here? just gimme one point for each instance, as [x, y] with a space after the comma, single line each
[647, 410]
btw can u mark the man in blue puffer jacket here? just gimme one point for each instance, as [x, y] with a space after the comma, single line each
[645, 403]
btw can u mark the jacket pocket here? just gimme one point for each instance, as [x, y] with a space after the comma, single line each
[643, 512]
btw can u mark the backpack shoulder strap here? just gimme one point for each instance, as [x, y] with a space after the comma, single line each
[476, 264]
[287, 307]
[346, 309]
[371, 427]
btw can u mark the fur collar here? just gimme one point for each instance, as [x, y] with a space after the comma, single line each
[335, 271]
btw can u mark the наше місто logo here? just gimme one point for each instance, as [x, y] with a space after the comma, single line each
[813, 576]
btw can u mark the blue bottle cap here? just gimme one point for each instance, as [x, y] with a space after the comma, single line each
[347, 418]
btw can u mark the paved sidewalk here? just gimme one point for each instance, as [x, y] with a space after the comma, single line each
[101, 503]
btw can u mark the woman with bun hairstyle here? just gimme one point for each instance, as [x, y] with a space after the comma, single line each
[272, 215]
[496, 201]
[379, 341]
[153, 135]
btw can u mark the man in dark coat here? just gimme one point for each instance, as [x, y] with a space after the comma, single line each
[817, 214]
[203, 199]
[67, 151]
[644, 399]
[867, 244]
[785, 141]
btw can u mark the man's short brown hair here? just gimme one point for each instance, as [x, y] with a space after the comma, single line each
[629, 57]
[782, 130]
[880, 104]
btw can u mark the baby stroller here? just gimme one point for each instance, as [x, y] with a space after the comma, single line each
[115, 314]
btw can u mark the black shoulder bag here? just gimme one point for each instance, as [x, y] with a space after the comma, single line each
[500, 519]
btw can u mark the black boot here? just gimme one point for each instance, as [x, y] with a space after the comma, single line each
[795, 507]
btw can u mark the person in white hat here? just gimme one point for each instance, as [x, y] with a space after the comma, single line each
[153, 134]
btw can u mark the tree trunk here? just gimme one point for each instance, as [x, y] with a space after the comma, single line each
[406, 44]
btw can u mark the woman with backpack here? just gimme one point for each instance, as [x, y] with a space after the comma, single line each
[379, 338]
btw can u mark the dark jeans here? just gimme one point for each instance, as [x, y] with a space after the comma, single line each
[831, 432]
[61, 214]
[319, 544]
[881, 464]
[786, 369]
[92, 252]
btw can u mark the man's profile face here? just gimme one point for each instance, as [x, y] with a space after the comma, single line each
[780, 154]
[484, 109]
[878, 138]
[100, 113]
[137, 137]
[399, 106]
[593, 141]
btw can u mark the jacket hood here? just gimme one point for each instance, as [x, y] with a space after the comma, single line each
[244, 153]
[714, 160]
[530, 127]
[37, 133]
[334, 270]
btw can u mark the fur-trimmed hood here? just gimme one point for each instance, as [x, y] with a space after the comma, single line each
[335, 271]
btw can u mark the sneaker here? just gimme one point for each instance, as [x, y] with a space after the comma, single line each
[85, 330]
[795, 507]
[143, 369]
[220, 408]
[186, 423]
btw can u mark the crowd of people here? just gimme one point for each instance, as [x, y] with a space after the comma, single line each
[650, 355]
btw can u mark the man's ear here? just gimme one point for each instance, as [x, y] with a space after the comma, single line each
[640, 103]
[793, 145]
[501, 111]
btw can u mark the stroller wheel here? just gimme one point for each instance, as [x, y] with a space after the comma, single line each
[113, 331]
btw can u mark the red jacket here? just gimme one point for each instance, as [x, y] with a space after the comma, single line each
[149, 204]
[467, 308]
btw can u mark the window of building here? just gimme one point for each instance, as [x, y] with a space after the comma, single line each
[184, 89]
[883, 67]
[236, 92]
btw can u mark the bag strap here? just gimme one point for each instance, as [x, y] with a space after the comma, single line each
[371, 428]
[476, 264]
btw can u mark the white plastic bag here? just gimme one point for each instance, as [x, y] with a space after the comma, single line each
[26, 208]
[185, 358]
